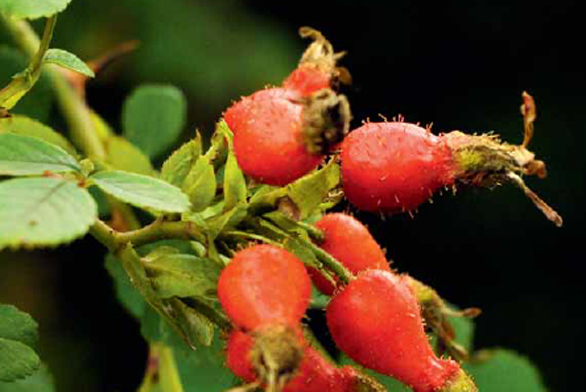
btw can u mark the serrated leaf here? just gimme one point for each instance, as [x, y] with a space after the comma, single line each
[17, 360]
[182, 275]
[200, 184]
[126, 293]
[505, 370]
[215, 225]
[306, 193]
[177, 166]
[22, 125]
[40, 381]
[153, 117]
[141, 191]
[32, 9]
[67, 60]
[25, 155]
[196, 326]
[17, 325]
[43, 212]
[123, 155]
[234, 183]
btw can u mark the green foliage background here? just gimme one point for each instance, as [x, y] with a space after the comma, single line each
[460, 66]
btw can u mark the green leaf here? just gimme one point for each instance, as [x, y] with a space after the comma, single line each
[153, 117]
[200, 184]
[505, 370]
[67, 60]
[204, 369]
[196, 326]
[304, 253]
[229, 219]
[32, 9]
[126, 293]
[177, 166]
[305, 194]
[22, 125]
[18, 326]
[123, 155]
[43, 212]
[182, 275]
[18, 336]
[26, 155]
[141, 191]
[39, 381]
[17, 360]
[234, 184]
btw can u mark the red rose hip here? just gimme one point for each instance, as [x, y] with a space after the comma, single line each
[350, 242]
[376, 321]
[264, 285]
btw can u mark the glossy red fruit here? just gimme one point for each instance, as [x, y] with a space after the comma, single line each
[350, 242]
[264, 285]
[268, 139]
[376, 321]
[394, 166]
[314, 374]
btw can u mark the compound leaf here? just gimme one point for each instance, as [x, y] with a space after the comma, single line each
[43, 212]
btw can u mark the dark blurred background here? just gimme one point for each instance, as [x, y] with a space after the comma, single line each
[460, 65]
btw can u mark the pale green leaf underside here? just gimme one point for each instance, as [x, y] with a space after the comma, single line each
[23, 125]
[67, 60]
[32, 9]
[25, 155]
[17, 360]
[43, 212]
[142, 191]
[17, 325]
[153, 117]
[39, 381]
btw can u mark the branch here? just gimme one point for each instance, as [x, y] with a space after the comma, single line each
[73, 107]
[156, 231]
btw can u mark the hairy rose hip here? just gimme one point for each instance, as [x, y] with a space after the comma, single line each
[281, 134]
[314, 373]
[350, 242]
[263, 285]
[393, 167]
[376, 321]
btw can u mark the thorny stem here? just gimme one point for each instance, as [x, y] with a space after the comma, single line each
[158, 230]
[74, 108]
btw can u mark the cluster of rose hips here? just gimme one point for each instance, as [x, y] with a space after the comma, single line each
[283, 133]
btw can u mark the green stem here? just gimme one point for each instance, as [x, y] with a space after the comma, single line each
[73, 106]
[329, 261]
[24, 81]
[158, 230]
